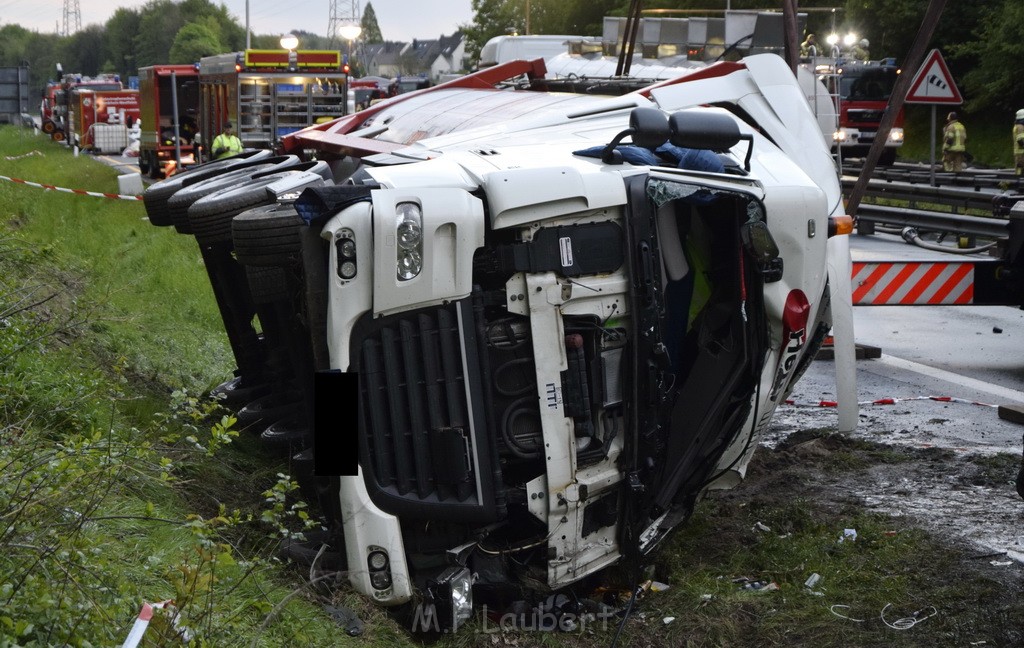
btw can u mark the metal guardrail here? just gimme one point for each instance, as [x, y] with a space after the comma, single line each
[933, 221]
[968, 195]
[977, 179]
[957, 199]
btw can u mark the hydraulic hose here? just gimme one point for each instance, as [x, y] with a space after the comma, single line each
[911, 236]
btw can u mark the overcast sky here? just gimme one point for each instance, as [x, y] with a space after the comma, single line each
[400, 20]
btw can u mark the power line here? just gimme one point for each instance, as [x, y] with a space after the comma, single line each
[72, 17]
[342, 12]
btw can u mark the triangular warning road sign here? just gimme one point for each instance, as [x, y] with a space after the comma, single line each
[933, 83]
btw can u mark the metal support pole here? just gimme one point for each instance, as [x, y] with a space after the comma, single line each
[931, 166]
[177, 132]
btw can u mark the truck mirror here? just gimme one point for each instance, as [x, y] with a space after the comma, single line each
[649, 127]
[703, 130]
[706, 130]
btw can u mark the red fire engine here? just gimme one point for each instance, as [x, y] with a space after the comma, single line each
[169, 96]
[268, 94]
[99, 120]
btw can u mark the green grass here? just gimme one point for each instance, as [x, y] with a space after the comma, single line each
[988, 136]
[106, 502]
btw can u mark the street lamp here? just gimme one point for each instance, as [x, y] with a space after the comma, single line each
[289, 41]
[350, 32]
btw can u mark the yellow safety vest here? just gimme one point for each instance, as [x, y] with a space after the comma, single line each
[954, 137]
[230, 143]
[1018, 139]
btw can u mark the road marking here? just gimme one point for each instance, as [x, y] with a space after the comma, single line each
[115, 162]
[1004, 393]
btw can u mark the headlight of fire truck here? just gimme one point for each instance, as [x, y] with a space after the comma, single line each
[843, 135]
[896, 136]
[409, 235]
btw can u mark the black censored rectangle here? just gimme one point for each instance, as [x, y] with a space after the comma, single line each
[336, 424]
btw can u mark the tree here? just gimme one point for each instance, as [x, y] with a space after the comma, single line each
[161, 20]
[120, 42]
[84, 51]
[371, 30]
[993, 80]
[196, 40]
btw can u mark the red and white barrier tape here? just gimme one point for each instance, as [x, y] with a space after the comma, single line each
[23, 155]
[142, 623]
[80, 192]
[889, 401]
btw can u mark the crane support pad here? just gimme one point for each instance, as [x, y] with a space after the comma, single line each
[913, 283]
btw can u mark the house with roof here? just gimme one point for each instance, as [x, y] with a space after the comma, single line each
[430, 58]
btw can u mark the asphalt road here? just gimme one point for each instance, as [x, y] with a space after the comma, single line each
[973, 353]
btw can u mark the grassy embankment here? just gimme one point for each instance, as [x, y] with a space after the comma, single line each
[107, 324]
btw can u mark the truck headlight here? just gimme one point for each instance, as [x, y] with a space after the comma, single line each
[896, 135]
[409, 235]
[452, 593]
[840, 136]
[346, 247]
[380, 575]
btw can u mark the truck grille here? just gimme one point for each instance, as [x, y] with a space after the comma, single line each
[423, 443]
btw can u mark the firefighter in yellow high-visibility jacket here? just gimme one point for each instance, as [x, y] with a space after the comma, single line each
[226, 144]
[1018, 142]
[954, 144]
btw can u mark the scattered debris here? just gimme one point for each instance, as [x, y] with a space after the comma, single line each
[659, 587]
[996, 329]
[345, 617]
[1000, 563]
[906, 623]
[848, 534]
[812, 580]
[843, 616]
[668, 620]
[760, 526]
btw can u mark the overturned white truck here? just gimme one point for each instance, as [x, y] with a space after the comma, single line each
[570, 314]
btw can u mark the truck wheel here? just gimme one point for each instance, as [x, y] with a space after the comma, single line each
[210, 217]
[157, 195]
[183, 199]
[49, 127]
[57, 136]
[268, 236]
[144, 164]
[267, 409]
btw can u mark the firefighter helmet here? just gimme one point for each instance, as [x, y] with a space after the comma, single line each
[1020, 115]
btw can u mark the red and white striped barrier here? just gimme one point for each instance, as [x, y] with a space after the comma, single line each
[913, 283]
[80, 192]
[23, 155]
[889, 401]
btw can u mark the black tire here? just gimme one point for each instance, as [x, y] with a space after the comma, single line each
[157, 195]
[267, 409]
[210, 216]
[269, 235]
[267, 285]
[235, 393]
[179, 204]
[288, 432]
[144, 167]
